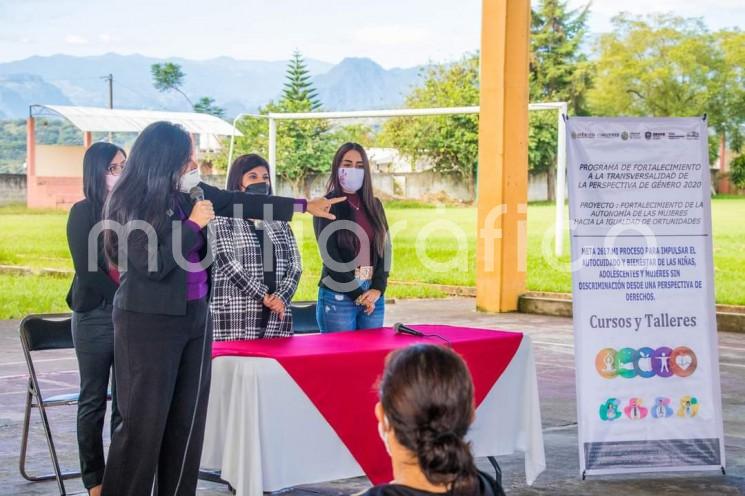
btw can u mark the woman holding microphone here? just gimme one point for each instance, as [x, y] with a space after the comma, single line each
[162, 327]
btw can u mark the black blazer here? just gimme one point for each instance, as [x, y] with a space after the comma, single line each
[337, 253]
[89, 289]
[163, 290]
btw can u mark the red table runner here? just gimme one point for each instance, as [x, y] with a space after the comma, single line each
[338, 372]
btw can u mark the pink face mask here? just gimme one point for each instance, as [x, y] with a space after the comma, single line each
[110, 181]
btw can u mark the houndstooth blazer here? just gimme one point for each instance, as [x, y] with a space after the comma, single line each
[238, 278]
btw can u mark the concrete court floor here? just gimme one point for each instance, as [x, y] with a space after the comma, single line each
[552, 340]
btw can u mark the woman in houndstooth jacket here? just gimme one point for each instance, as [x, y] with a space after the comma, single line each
[252, 292]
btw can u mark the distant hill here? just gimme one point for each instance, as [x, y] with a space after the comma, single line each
[236, 85]
[360, 83]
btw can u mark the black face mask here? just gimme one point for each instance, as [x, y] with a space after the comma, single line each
[258, 189]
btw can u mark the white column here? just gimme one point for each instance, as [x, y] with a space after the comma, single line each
[273, 151]
[561, 168]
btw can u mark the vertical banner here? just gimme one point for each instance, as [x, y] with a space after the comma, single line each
[647, 362]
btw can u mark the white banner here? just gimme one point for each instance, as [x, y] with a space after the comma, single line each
[647, 362]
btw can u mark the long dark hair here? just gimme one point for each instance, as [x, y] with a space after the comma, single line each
[240, 166]
[96, 163]
[427, 395]
[145, 190]
[371, 206]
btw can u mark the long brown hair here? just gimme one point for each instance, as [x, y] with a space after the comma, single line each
[427, 395]
[372, 207]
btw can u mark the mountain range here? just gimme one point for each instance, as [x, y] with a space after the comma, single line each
[236, 85]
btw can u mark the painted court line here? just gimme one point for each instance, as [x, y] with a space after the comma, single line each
[42, 360]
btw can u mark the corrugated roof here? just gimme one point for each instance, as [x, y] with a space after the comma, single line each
[96, 119]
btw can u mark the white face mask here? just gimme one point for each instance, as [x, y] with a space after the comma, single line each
[189, 180]
[351, 178]
[111, 181]
[383, 437]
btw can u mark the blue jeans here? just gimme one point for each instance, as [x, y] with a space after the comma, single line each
[338, 312]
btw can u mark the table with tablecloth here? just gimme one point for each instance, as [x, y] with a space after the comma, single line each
[291, 411]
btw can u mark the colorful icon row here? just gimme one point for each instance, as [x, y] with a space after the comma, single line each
[646, 362]
[635, 409]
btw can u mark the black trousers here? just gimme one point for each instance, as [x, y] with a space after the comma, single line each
[158, 358]
[93, 335]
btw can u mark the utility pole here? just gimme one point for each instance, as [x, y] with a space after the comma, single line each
[110, 80]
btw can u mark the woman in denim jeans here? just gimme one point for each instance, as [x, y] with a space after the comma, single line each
[355, 248]
[90, 298]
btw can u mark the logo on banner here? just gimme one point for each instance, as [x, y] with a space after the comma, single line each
[688, 406]
[646, 362]
[635, 408]
[662, 408]
[610, 410]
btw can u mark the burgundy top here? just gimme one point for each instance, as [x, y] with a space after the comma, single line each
[113, 274]
[360, 217]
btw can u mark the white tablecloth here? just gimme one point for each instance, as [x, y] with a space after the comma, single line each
[264, 434]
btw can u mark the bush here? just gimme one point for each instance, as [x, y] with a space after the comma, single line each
[737, 174]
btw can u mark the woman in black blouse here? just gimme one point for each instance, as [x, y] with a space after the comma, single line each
[355, 248]
[90, 298]
[425, 410]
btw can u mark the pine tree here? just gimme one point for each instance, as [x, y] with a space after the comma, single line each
[557, 63]
[559, 71]
[298, 88]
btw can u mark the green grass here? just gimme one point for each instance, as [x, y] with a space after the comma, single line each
[37, 239]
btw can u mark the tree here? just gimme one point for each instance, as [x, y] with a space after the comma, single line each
[206, 105]
[658, 66]
[298, 87]
[169, 76]
[559, 71]
[726, 103]
[662, 65]
[451, 141]
[737, 173]
[304, 147]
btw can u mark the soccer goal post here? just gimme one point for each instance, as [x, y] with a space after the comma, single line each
[559, 107]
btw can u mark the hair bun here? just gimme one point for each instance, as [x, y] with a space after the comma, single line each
[446, 438]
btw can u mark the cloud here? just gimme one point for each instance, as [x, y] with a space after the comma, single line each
[392, 34]
[74, 39]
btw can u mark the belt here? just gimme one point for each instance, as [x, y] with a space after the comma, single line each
[364, 273]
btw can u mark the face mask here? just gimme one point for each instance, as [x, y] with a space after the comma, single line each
[381, 431]
[258, 188]
[189, 180]
[351, 178]
[111, 181]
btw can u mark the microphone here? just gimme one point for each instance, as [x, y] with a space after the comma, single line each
[404, 329]
[196, 194]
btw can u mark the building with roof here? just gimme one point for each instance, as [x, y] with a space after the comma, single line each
[54, 173]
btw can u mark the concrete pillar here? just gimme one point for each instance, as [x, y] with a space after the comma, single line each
[30, 146]
[501, 247]
[30, 157]
[724, 186]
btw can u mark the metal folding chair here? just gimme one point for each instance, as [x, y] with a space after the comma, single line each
[40, 333]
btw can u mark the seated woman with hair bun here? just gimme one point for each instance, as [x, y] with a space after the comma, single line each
[425, 410]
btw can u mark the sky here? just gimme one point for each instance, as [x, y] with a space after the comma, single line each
[395, 33]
